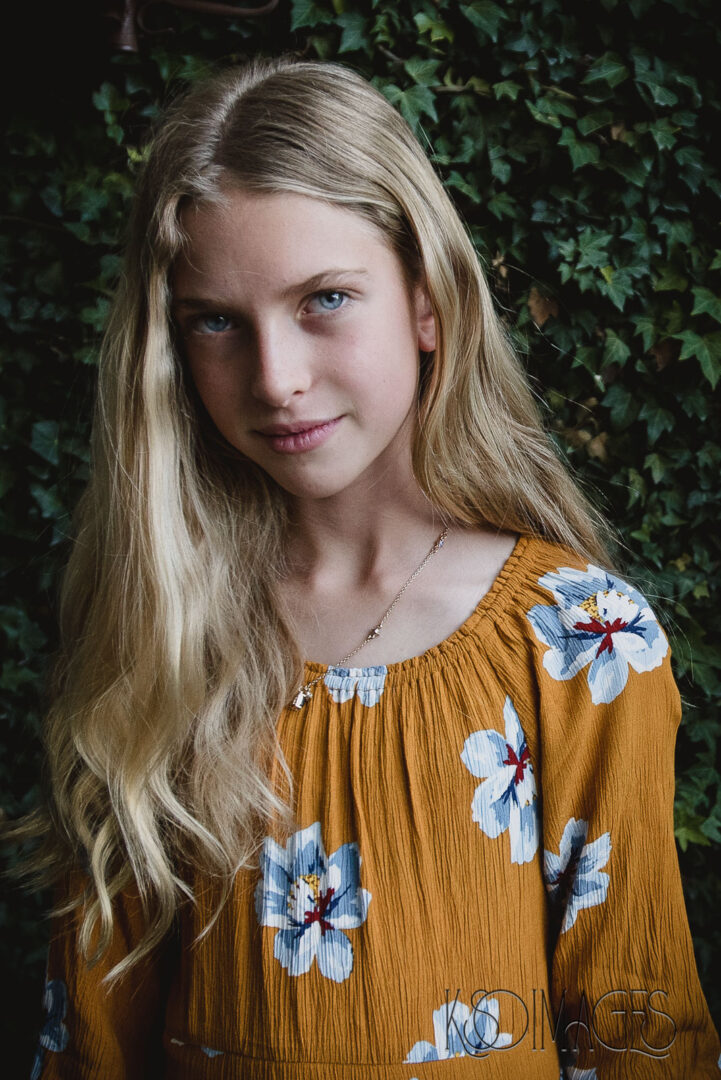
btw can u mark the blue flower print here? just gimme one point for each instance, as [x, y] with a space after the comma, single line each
[581, 1074]
[601, 621]
[207, 1050]
[574, 877]
[54, 1034]
[460, 1031]
[312, 899]
[365, 682]
[506, 800]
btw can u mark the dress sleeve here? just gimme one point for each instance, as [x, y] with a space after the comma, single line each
[91, 1030]
[624, 985]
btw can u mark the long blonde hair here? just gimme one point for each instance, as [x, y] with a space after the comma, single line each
[176, 658]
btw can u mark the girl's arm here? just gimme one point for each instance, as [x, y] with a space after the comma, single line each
[92, 1030]
[625, 990]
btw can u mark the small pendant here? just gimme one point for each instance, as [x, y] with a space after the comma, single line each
[375, 632]
[301, 697]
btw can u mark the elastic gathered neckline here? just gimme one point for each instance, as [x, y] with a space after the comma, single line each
[504, 586]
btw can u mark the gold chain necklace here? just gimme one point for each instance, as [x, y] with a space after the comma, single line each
[304, 693]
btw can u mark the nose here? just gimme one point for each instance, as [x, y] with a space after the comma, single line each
[281, 365]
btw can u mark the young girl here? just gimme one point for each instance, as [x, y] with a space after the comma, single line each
[361, 753]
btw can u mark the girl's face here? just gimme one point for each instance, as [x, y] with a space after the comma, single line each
[302, 338]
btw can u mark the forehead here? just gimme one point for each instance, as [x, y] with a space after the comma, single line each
[279, 237]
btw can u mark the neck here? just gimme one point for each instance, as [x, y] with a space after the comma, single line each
[348, 541]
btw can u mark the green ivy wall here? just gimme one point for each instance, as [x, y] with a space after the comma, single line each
[578, 141]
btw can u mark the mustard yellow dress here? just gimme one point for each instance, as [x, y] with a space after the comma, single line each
[483, 883]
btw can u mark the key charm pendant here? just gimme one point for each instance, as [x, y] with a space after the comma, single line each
[301, 697]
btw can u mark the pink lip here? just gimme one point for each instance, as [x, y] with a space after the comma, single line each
[300, 436]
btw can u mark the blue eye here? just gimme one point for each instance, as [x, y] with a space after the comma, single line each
[331, 300]
[213, 324]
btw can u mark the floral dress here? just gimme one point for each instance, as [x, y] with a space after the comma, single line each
[482, 882]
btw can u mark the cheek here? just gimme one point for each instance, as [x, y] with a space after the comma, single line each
[219, 397]
[386, 352]
[217, 385]
[402, 368]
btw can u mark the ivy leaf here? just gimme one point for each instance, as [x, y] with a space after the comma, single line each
[657, 420]
[21, 631]
[541, 116]
[636, 489]
[49, 500]
[712, 826]
[355, 32]
[693, 166]
[677, 231]
[615, 349]
[692, 83]
[664, 133]
[455, 180]
[507, 88]
[710, 358]
[413, 102]
[706, 302]
[479, 86]
[321, 45]
[692, 343]
[53, 199]
[96, 316]
[309, 13]
[643, 245]
[525, 43]
[624, 409]
[503, 205]
[486, 16]
[593, 121]
[423, 71]
[435, 28]
[582, 153]
[670, 279]
[608, 68]
[695, 404]
[45, 440]
[707, 351]
[661, 94]
[634, 169]
[617, 286]
[710, 456]
[658, 466]
[109, 100]
[500, 168]
[593, 249]
[688, 828]
[646, 327]
[587, 356]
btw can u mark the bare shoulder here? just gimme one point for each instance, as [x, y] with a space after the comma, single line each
[479, 555]
[471, 564]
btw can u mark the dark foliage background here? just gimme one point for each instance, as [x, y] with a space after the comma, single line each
[578, 143]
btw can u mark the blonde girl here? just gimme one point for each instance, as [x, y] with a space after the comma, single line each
[361, 753]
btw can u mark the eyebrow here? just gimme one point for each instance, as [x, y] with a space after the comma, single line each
[311, 283]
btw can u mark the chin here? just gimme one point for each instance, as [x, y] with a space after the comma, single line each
[312, 487]
[311, 491]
